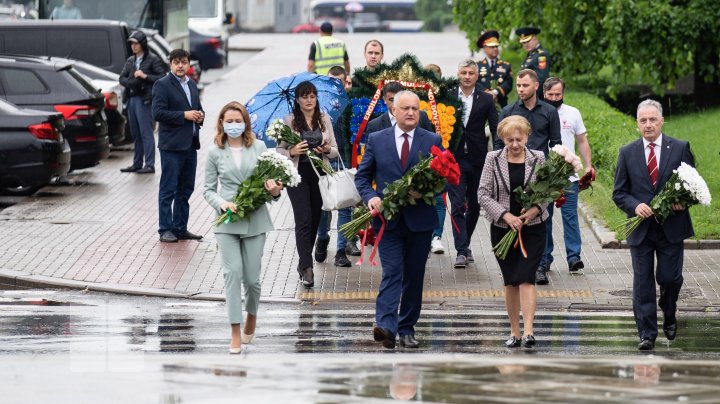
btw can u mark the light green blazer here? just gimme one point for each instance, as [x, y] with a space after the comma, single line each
[220, 166]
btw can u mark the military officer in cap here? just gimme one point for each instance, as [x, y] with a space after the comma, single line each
[494, 75]
[538, 59]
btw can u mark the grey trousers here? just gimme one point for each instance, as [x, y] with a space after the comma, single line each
[241, 263]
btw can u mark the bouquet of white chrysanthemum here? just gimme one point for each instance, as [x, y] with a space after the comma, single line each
[685, 187]
[278, 131]
[251, 192]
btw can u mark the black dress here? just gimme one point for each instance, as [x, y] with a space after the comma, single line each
[515, 268]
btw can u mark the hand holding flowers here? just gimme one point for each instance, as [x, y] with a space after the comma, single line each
[280, 132]
[685, 188]
[266, 181]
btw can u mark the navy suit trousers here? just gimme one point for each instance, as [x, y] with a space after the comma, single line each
[669, 277]
[177, 182]
[403, 254]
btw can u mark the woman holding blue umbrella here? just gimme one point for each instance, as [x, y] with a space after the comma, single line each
[315, 128]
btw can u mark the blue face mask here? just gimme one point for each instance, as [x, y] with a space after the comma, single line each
[234, 129]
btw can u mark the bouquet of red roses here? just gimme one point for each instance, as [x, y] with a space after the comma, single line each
[427, 178]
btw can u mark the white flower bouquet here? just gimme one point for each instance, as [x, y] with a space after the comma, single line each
[685, 187]
[278, 131]
[251, 192]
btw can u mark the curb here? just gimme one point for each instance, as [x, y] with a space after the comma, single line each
[606, 237]
[21, 280]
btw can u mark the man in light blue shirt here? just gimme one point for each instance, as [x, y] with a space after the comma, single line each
[68, 11]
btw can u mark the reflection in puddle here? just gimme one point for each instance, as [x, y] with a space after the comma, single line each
[176, 333]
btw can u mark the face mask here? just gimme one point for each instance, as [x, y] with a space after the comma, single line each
[555, 104]
[234, 129]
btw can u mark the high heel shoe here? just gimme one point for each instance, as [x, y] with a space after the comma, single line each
[234, 351]
[246, 338]
[512, 342]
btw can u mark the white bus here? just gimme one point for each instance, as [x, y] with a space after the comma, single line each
[393, 15]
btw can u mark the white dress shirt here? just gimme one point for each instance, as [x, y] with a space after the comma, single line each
[467, 104]
[399, 139]
[658, 150]
[393, 120]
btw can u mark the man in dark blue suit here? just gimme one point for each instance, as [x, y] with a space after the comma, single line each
[176, 107]
[405, 245]
[643, 168]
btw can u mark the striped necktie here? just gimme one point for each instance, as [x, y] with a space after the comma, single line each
[652, 165]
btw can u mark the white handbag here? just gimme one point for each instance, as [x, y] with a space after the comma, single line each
[338, 189]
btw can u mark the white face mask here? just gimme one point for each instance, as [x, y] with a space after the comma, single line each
[234, 129]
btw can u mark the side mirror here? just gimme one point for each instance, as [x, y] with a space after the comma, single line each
[229, 19]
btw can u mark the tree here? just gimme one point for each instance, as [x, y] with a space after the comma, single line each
[655, 41]
[435, 14]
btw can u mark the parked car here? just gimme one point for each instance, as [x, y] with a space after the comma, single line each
[101, 43]
[109, 85]
[51, 84]
[32, 149]
[339, 25]
[208, 28]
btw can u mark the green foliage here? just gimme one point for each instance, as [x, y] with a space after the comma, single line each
[435, 14]
[608, 130]
[658, 40]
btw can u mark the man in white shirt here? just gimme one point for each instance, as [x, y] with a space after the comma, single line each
[572, 130]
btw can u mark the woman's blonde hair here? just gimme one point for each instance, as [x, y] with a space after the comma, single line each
[511, 124]
[221, 137]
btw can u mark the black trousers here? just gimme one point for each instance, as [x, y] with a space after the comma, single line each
[668, 276]
[307, 206]
[465, 208]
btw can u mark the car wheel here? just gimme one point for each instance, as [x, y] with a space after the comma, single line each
[20, 191]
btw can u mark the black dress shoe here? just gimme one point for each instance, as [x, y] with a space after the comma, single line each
[670, 327]
[145, 170]
[321, 246]
[646, 344]
[130, 169]
[541, 277]
[186, 235]
[382, 335]
[341, 260]
[512, 342]
[409, 341]
[352, 249]
[168, 237]
[308, 277]
[528, 341]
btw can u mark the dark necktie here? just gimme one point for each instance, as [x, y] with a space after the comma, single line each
[405, 151]
[652, 165]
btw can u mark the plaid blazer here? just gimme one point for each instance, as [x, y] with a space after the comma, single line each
[493, 194]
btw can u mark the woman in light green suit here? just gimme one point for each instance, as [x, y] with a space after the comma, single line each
[229, 162]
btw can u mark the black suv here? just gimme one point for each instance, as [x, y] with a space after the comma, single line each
[49, 84]
[32, 149]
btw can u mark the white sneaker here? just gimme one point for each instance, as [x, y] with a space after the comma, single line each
[437, 246]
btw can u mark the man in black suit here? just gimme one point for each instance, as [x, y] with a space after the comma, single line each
[387, 120]
[643, 167]
[478, 110]
[177, 109]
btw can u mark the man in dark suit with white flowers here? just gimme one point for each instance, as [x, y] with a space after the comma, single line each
[643, 167]
[405, 245]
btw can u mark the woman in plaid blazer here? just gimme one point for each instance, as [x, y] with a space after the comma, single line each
[515, 166]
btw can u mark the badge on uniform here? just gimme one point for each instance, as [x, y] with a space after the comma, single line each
[500, 69]
[500, 80]
[483, 71]
[542, 62]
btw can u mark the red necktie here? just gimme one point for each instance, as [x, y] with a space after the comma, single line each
[652, 165]
[405, 151]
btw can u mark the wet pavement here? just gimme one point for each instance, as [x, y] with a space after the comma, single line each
[97, 229]
[65, 347]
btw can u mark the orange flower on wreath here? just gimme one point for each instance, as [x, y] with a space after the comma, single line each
[446, 115]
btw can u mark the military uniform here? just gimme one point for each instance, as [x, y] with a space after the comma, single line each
[538, 60]
[496, 78]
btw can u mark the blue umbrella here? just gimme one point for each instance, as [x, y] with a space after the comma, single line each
[276, 100]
